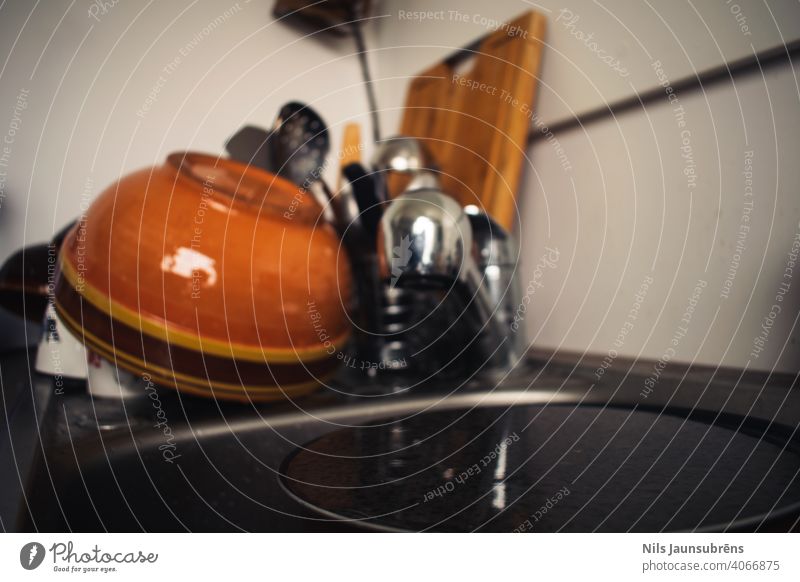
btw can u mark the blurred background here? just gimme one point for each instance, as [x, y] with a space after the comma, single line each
[657, 205]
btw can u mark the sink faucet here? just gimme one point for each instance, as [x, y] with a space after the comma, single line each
[427, 241]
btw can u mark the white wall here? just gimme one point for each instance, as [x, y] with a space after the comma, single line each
[625, 210]
[685, 36]
[87, 78]
[621, 213]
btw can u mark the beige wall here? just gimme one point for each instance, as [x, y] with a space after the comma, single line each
[88, 80]
[625, 212]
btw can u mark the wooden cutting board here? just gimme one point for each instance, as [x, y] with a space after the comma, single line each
[476, 122]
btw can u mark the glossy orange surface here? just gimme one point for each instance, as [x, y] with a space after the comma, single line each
[214, 255]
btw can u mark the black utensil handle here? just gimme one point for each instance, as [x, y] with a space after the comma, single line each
[366, 195]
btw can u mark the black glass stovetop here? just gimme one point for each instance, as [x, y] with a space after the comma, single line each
[547, 468]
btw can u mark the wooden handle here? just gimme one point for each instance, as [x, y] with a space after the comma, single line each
[476, 123]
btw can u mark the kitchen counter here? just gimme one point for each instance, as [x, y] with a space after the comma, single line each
[176, 463]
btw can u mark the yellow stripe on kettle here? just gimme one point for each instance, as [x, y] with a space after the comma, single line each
[158, 330]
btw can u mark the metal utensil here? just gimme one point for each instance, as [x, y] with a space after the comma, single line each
[250, 145]
[425, 241]
[400, 163]
[424, 236]
[295, 148]
[298, 144]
